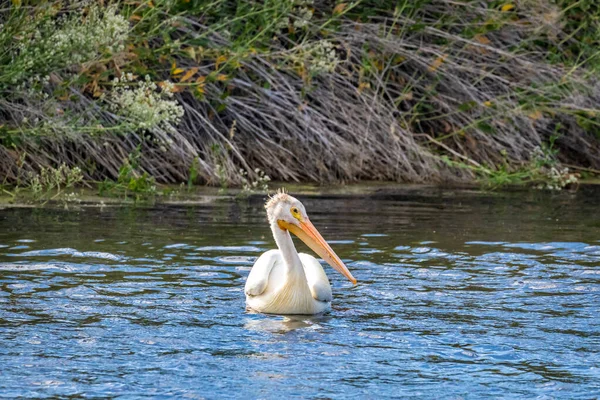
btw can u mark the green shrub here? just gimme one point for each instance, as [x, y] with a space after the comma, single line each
[130, 183]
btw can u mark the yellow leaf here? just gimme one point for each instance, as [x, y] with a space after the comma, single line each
[487, 103]
[339, 8]
[201, 79]
[135, 18]
[537, 114]
[221, 77]
[16, 3]
[220, 60]
[482, 39]
[362, 86]
[178, 71]
[191, 52]
[191, 72]
[437, 63]
[507, 7]
[200, 89]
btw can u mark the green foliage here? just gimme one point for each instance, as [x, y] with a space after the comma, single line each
[61, 77]
[130, 184]
[582, 25]
[50, 184]
[48, 41]
[543, 171]
[193, 173]
[252, 23]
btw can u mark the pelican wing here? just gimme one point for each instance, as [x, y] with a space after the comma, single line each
[316, 278]
[259, 275]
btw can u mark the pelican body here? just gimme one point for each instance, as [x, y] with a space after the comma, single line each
[283, 281]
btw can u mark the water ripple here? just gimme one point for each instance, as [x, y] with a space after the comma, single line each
[70, 252]
[156, 307]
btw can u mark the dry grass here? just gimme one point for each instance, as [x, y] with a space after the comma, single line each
[409, 88]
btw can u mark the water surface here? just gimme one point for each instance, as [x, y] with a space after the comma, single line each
[460, 295]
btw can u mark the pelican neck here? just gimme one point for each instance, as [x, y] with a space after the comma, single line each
[288, 251]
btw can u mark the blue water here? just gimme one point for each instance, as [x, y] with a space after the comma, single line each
[460, 295]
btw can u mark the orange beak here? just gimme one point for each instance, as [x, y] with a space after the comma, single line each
[307, 232]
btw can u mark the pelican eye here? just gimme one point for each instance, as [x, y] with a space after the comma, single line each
[295, 213]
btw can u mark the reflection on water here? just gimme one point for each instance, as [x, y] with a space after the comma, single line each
[460, 295]
[285, 324]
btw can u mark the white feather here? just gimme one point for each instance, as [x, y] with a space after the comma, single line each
[271, 289]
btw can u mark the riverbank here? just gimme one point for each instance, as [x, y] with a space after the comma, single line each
[198, 195]
[238, 94]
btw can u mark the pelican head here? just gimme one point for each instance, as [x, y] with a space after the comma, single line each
[288, 214]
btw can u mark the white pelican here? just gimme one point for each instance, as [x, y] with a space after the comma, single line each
[283, 281]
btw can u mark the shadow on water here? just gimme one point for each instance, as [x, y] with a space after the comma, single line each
[460, 294]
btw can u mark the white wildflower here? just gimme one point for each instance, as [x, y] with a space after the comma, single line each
[260, 184]
[302, 17]
[71, 39]
[143, 104]
[554, 177]
[321, 57]
[282, 23]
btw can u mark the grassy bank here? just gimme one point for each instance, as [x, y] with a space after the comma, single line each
[236, 93]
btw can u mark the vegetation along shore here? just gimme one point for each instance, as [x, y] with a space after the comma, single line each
[125, 95]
